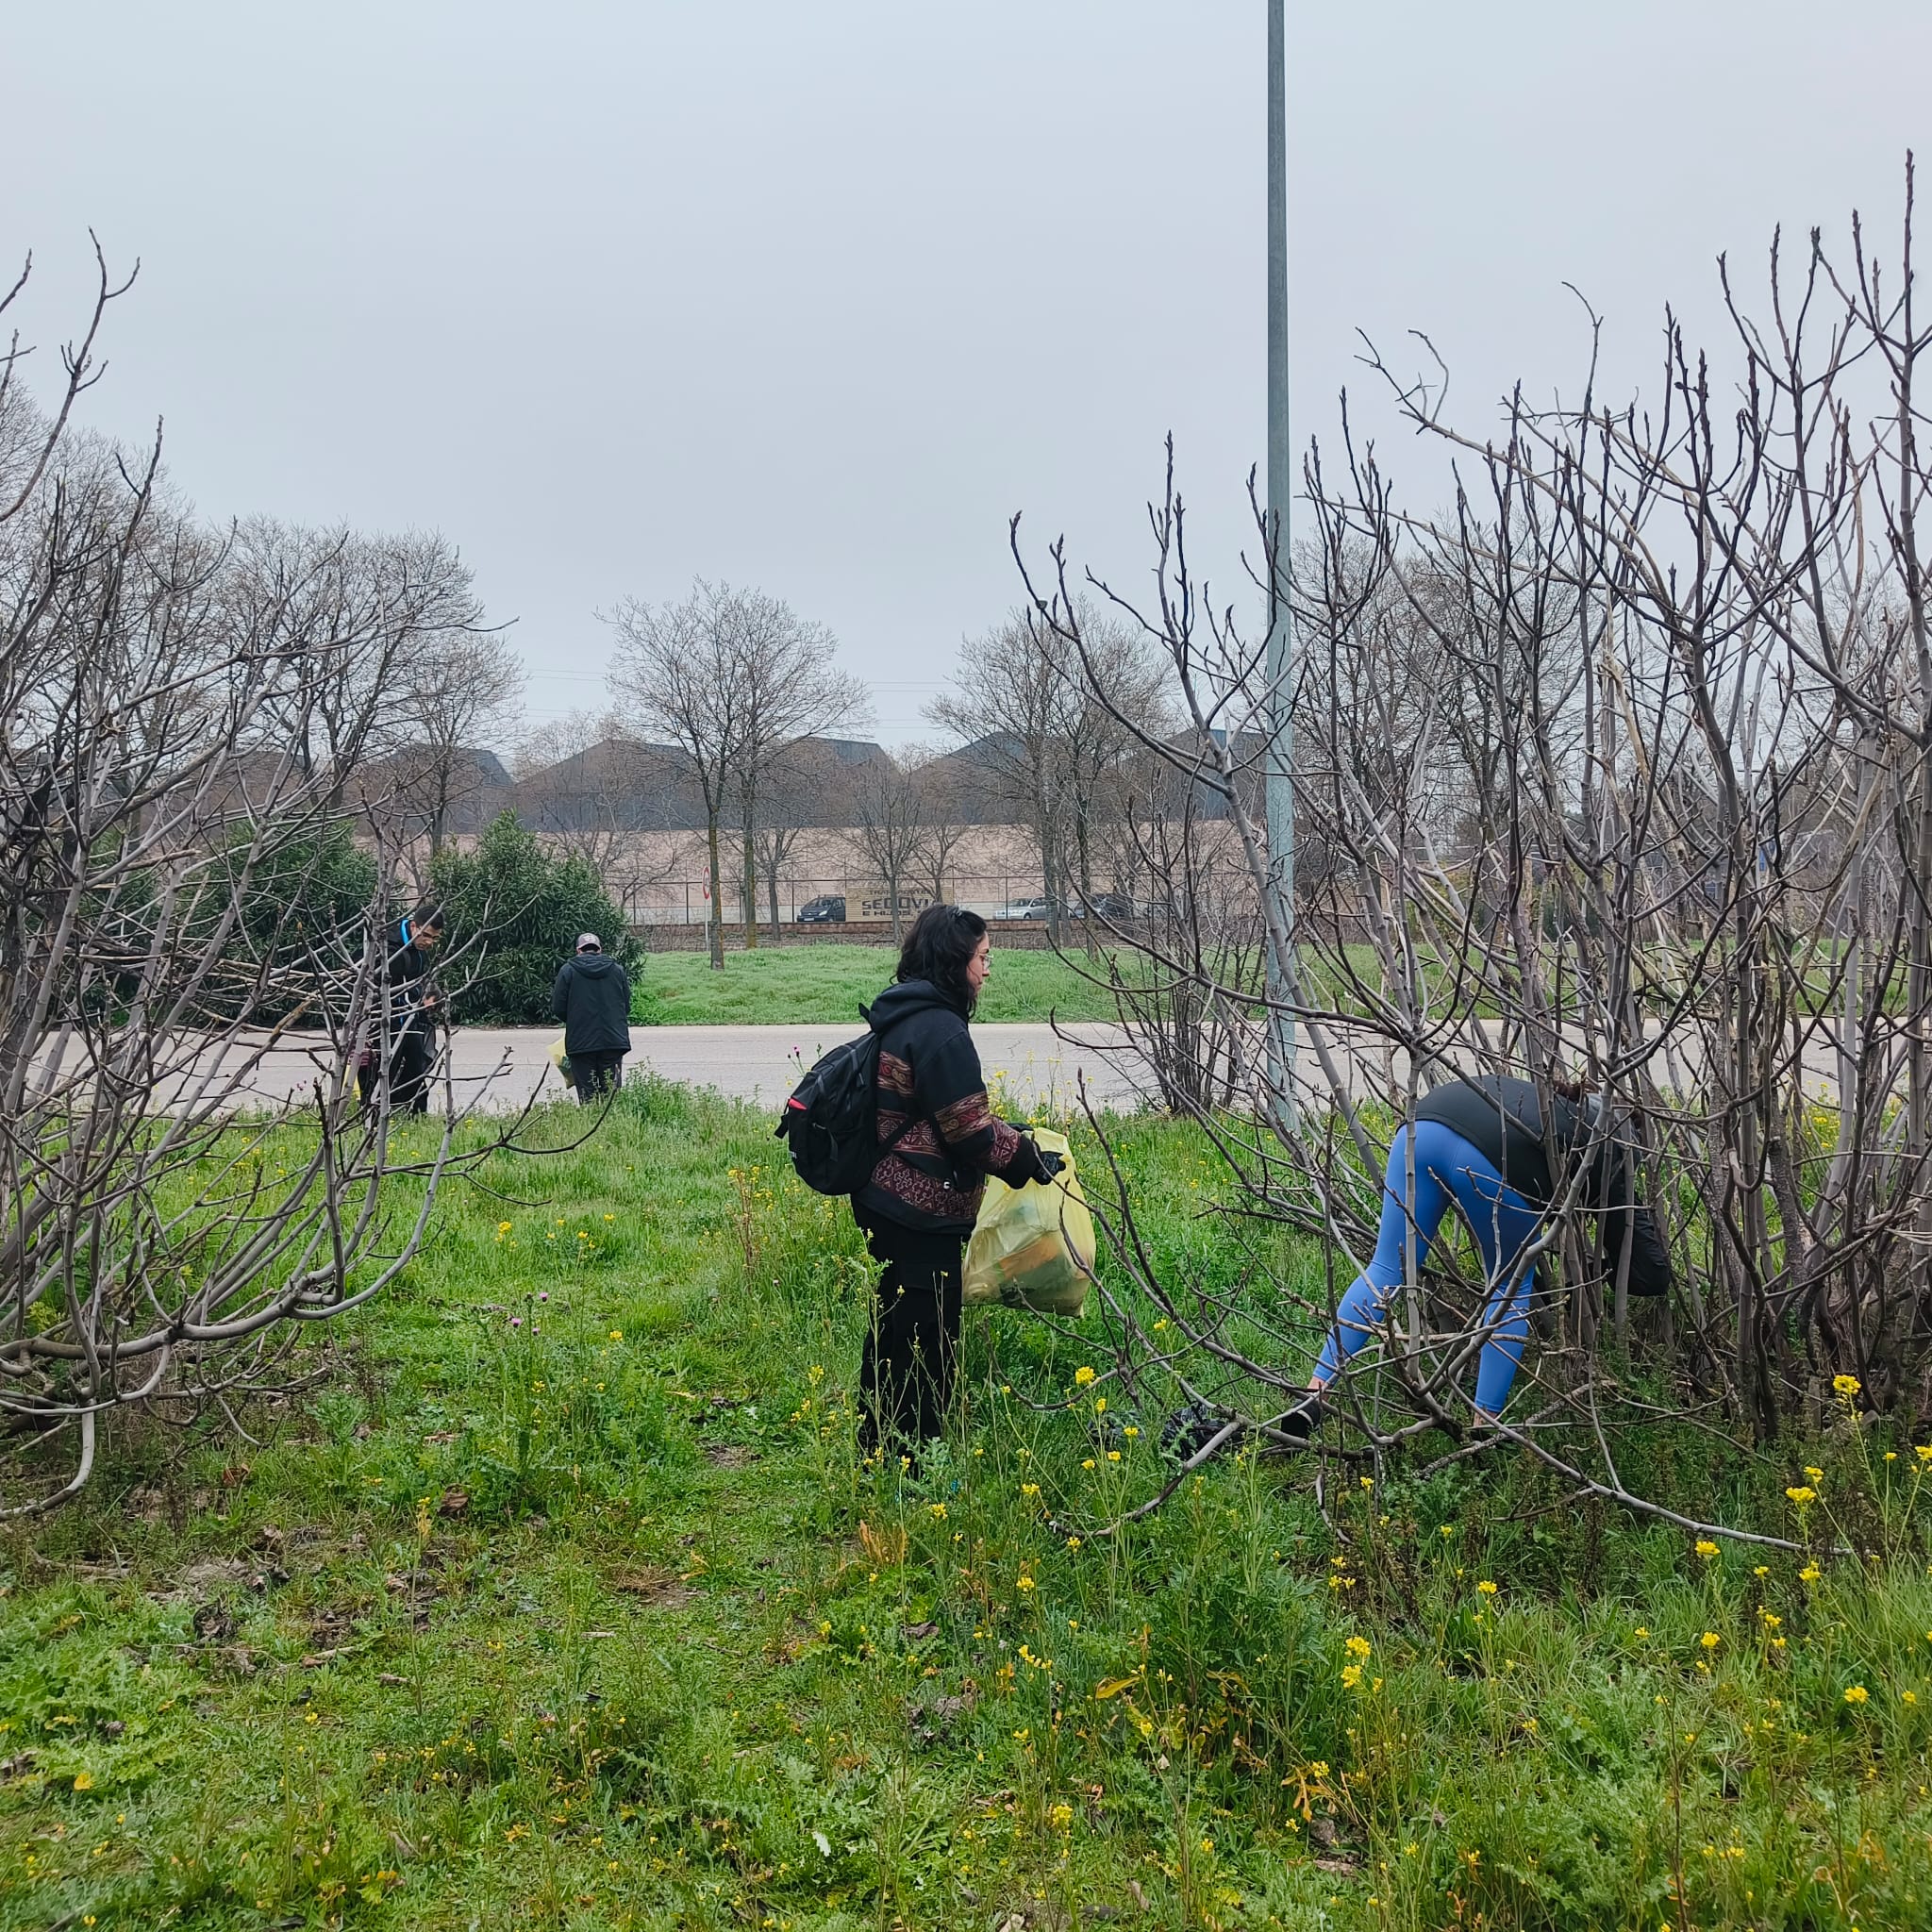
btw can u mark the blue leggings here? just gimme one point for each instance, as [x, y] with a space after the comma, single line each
[1447, 1169]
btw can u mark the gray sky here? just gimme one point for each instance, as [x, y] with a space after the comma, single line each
[815, 297]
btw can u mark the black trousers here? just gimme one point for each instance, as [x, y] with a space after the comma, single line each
[413, 1052]
[597, 1072]
[912, 1347]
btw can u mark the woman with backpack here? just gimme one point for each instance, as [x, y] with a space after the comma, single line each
[939, 1140]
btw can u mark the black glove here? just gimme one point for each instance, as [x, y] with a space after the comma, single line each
[1033, 1162]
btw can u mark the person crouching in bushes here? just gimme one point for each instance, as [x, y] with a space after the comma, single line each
[1481, 1147]
[592, 999]
[942, 1140]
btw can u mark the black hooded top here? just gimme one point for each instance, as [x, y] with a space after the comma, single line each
[406, 976]
[592, 999]
[929, 1074]
[1501, 1117]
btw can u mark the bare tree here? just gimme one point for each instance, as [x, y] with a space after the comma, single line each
[163, 807]
[791, 798]
[1654, 671]
[676, 673]
[462, 688]
[888, 828]
[1009, 705]
[353, 616]
[788, 687]
[1057, 728]
[591, 791]
[942, 814]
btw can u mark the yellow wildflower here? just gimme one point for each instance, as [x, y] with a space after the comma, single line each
[1706, 1548]
[1082, 1377]
[1857, 1694]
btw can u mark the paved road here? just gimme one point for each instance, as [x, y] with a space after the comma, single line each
[501, 1067]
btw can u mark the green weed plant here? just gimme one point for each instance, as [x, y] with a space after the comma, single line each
[563, 1599]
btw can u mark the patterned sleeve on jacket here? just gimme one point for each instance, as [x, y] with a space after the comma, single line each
[952, 1094]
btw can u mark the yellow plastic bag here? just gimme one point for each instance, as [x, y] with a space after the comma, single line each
[561, 1060]
[1033, 1247]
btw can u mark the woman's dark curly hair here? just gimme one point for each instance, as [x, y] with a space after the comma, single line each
[942, 941]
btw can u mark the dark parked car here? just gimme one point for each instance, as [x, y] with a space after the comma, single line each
[828, 909]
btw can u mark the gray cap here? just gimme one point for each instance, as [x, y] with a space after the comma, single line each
[589, 942]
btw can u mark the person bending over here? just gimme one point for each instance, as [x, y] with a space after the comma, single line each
[1481, 1147]
[942, 1140]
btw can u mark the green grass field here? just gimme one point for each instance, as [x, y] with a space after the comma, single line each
[799, 984]
[563, 1603]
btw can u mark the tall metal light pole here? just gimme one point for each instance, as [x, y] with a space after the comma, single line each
[1279, 770]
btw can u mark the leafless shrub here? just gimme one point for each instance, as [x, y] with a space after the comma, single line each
[177, 713]
[1620, 771]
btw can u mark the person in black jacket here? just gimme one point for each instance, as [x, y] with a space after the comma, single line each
[1481, 1147]
[412, 1007]
[941, 1139]
[592, 999]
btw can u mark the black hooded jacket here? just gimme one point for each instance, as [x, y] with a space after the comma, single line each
[405, 979]
[929, 1075]
[1502, 1118]
[592, 999]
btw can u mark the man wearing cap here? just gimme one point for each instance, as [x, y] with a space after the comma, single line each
[592, 999]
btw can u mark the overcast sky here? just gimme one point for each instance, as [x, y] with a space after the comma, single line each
[814, 296]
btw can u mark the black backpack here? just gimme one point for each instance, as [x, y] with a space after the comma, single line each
[832, 1119]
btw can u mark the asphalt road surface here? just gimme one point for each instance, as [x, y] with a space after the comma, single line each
[501, 1067]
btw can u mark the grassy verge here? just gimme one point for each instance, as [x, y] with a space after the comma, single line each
[566, 1603]
[800, 984]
